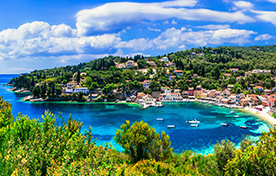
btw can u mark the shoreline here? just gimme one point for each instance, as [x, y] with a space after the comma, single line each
[263, 115]
[76, 102]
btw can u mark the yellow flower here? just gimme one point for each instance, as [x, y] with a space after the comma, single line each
[19, 156]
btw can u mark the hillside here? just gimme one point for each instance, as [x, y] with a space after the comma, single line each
[210, 68]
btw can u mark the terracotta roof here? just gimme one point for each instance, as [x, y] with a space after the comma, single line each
[234, 69]
[178, 71]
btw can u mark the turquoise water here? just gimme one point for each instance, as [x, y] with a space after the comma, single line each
[105, 119]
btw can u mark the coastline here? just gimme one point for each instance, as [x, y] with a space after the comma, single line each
[75, 102]
[263, 115]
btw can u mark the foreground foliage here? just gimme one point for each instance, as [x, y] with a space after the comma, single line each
[53, 147]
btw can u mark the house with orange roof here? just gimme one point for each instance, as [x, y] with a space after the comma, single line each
[271, 102]
[145, 84]
[152, 63]
[259, 88]
[178, 72]
[234, 69]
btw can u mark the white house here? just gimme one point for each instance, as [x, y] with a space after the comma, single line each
[81, 89]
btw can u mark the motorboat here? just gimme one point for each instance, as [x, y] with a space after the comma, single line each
[159, 119]
[224, 124]
[243, 127]
[193, 121]
[171, 126]
[194, 125]
[159, 104]
[232, 112]
[236, 116]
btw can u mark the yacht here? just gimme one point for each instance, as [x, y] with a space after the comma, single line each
[159, 119]
[231, 112]
[171, 126]
[194, 125]
[243, 127]
[224, 124]
[193, 121]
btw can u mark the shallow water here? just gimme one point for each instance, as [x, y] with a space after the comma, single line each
[105, 119]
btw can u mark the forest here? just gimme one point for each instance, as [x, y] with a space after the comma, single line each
[209, 64]
[51, 146]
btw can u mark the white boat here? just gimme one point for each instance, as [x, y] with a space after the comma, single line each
[243, 127]
[171, 126]
[231, 112]
[224, 124]
[159, 119]
[193, 121]
[159, 104]
[236, 116]
[194, 125]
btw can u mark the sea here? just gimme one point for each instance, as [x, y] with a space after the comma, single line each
[105, 119]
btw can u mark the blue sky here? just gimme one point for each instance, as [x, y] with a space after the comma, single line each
[39, 34]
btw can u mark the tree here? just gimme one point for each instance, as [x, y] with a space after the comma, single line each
[78, 77]
[224, 151]
[141, 141]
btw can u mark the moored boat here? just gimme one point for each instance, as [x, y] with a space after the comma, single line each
[171, 126]
[231, 112]
[193, 121]
[224, 124]
[159, 119]
[243, 127]
[194, 125]
[159, 104]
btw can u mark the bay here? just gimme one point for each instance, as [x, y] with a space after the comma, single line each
[106, 118]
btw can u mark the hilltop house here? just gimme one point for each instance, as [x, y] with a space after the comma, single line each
[130, 63]
[234, 69]
[164, 59]
[152, 63]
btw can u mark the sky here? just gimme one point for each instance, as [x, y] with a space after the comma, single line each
[41, 34]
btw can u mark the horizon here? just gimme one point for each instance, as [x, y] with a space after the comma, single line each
[48, 34]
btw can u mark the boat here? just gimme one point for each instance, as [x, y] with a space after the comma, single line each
[236, 116]
[193, 121]
[224, 124]
[194, 125]
[243, 127]
[231, 112]
[159, 119]
[171, 126]
[159, 104]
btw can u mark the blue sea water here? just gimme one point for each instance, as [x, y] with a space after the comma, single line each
[105, 119]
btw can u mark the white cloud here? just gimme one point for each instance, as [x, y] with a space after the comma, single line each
[268, 16]
[243, 5]
[174, 22]
[212, 27]
[110, 17]
[41, 39]
[263, 37]
[152, 29]
[166, 22]
[273, 1]
[181, 37]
